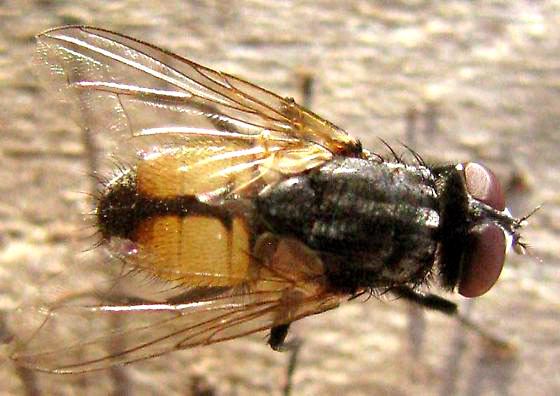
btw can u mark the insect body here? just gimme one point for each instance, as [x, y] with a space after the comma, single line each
[245, 211]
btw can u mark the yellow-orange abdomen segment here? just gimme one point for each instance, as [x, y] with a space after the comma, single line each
[195, 250]
[191, 170]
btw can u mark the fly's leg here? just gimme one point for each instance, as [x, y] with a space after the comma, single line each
[427, 300]
[277, 337]
[277, 341]
[295, 347]
[305, 82]
[440, 304]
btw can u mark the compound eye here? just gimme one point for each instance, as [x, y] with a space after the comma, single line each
[486, 261]
[488, 241]
[483, 185]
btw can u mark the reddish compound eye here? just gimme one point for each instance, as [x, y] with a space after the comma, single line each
[487, 261]
[489, 241]
[483, 185]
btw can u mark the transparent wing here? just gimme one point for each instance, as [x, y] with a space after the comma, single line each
[127, 88]
[93, 331]
[191, 132]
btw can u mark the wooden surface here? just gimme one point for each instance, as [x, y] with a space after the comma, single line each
[484, 82]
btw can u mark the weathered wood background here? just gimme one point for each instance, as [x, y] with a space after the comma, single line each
[484, 80]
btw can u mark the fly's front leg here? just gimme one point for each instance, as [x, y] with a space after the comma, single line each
[440, 304]
[427, 300]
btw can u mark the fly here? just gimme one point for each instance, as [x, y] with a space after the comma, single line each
[234, 210]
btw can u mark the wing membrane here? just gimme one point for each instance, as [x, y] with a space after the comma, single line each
[94, 331]
[126, 333]
[193, 132]
[132, 89]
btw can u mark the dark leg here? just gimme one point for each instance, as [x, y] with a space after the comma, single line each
[306, 83]
[277, 342]
[440, 304]
[426, 300]
[295, 347]
[277, 338]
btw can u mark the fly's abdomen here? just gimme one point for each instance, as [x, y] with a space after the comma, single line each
[167, 231]
[377, 218]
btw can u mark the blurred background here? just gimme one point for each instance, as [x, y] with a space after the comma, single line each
[455, 80]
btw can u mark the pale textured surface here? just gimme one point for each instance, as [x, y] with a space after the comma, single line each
[488, 71]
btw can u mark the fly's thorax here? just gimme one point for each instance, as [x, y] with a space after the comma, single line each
[374, 223]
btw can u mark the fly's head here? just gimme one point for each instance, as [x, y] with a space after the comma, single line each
[477, 231]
